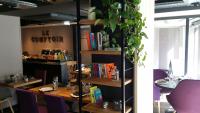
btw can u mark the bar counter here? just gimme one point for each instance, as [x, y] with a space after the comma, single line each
[53, 68]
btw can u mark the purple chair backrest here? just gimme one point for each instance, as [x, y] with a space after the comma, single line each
[157, 74]
[26, 101]
[55, 104]
[185, 98]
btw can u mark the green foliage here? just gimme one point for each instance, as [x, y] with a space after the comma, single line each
[132, 26]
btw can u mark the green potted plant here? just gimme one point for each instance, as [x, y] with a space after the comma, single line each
[134, 23]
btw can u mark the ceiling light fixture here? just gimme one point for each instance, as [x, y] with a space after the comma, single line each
[1, 4]
[177, 13]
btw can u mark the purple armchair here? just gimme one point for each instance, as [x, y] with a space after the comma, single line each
[27, 102]
[185, 98]
[159, 74]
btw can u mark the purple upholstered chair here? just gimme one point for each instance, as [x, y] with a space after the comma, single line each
[55, 104]
[159, 74]
[185, 98]
[27, 102]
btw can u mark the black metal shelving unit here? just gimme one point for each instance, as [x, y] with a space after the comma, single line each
[121, 58]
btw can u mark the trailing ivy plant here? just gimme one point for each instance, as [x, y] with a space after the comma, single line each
[132, 27]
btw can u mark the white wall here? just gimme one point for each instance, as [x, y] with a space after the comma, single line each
[10, 46]
[144, 78]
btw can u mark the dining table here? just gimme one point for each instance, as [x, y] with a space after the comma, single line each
[167, 83]
[66, 92]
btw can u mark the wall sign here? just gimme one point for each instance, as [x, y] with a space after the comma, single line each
[46, 37]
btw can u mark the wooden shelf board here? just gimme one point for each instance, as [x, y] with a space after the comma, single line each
[101, 52]
[96, 109]
[89, 22]
[106, 82]
[83, 73]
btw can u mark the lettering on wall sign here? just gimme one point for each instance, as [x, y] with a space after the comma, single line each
[46, 37]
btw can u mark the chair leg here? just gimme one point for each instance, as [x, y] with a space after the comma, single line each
[158, 102]
[9, 102]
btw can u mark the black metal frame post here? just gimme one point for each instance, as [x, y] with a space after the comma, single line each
[78, 38]
[186, 44]
[122, 70]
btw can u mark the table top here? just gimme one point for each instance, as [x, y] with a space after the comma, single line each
[60, 91]
[164, 83]
[21, 83]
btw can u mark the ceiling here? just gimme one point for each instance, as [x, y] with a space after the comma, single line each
[46, 11]
[42, 11]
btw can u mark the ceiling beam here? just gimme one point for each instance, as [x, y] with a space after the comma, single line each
[171, 9]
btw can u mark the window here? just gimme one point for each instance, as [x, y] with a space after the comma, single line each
[170, 44]
[194, 49]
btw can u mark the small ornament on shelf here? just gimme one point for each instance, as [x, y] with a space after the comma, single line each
[91, 13]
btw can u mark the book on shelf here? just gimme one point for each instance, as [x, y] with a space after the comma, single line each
[96, 41]
[96, 95]
[103, 70]
[88, 40]
[110, 68]
[99, 40]
[93, 41]
[92, 97]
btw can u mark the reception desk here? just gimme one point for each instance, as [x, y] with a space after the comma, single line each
[53, 68]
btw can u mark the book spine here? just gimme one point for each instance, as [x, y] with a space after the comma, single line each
[99, 40]
[88, 40]
[92, 40]
[105, 71]
[100, 70]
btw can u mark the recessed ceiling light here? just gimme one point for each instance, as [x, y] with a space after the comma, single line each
[1, 4]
